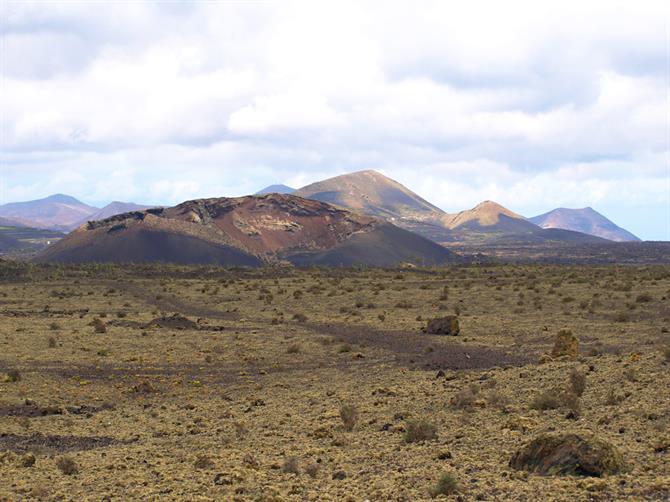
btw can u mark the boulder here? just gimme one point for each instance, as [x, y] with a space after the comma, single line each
[568, 454]
[447, 325]
[565, 345]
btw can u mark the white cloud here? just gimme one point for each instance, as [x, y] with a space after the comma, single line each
[532, 104]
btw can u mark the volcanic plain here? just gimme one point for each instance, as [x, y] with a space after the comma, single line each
[156, 382]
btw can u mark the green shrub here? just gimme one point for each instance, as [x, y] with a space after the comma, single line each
[446, 485]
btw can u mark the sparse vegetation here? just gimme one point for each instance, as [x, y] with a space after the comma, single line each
[420, 430]
[67, 465]
[291, 465]
[243, 388]
[349, 416]
[446, 485]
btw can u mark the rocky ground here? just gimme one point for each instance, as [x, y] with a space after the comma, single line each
[284, 384]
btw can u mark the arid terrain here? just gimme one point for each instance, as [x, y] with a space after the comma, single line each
[270, 384]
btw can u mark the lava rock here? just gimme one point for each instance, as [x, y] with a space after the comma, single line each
[447, 325]
[568, 454]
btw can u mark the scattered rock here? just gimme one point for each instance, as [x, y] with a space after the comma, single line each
[568, 454]
[176, 321]
[28, 460]
[339, 475]
[203, 462]
[565, 345]
[447, 325]
[144, 388]
[222, 479]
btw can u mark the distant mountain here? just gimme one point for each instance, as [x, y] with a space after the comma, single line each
[585, 220]
[485, 222]
[56, 212]
[490, 224]
[112, 209]
[491, 216]
[247, 231]
[276, 189]
[370, 192]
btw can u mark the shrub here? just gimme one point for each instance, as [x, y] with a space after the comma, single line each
[312, 470]
[622, 317]
[13, 375]
[420, 430]
[577, 382]
[67, 466]
[203, 462]
[51, 342]
[54, 326]
[555, 398]
[446, 485]
[643, 298]
[613, 398]
[291, 465]
[349, 416]
[293, 348]
[497, 399]
[465, 398]
[299, 317]
[99, 326]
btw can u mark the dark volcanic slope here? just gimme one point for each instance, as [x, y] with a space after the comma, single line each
[7, 243]
[585, 220]
[246, 231]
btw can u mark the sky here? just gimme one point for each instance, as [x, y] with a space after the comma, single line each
[535, 105]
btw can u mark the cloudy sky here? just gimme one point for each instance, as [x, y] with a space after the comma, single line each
[530, 104]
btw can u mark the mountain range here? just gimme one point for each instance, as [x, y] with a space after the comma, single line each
[364, 194]
[370, 192]
[59, 212]
[247, 231]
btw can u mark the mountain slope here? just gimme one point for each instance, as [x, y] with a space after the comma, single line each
[370, 192]
[491, 216]
[8, 222]
[112, 209]
[247, 231]
[276, 189]
[585, 220]
[57, 212]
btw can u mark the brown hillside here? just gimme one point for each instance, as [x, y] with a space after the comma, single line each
[245, 231]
